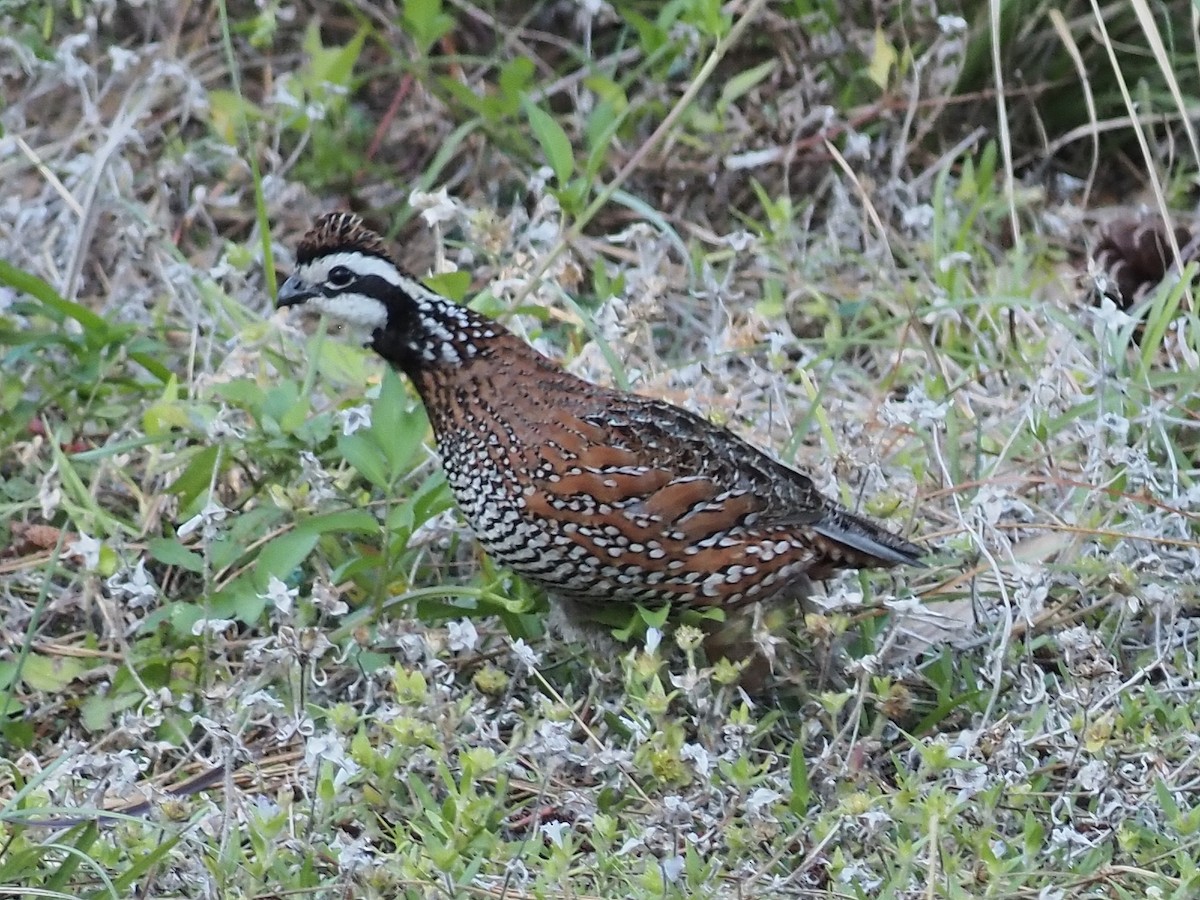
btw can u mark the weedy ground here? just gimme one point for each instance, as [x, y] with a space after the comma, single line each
[248, 648]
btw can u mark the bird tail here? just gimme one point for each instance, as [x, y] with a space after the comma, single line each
[855, 542]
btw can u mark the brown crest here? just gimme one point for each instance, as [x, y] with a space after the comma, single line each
[338, 232]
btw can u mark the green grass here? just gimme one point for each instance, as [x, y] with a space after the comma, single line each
[234, 583]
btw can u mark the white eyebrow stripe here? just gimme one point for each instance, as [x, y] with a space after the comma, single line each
[364, 264]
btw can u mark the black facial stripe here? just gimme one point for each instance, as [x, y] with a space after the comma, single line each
[368, 285]
[374, 286]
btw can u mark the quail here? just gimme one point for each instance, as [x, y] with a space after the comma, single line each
[598, 496]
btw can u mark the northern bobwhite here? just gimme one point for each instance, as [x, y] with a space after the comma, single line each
[596, 495]
[1136, 256]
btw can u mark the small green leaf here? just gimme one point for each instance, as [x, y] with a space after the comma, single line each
[242, 392]
[331, 65]
[196, 478]
[397, 425]
[708, 16]
[229, 114]
[282, 555]
[345, 520]
[515, 77]
[798, 776]
[17, 732]
[883, 59]
[295, 417]
[281, 402]
[171, 552]
[168, 413]
[399, 522]
[98, 710]
[744, 82]
[50, 673]
[432, 498]
[339, 362]
[554, 142]
[602, 126]
[608, 92]
[8, 669]
[363, 452]
[451, 284]
[425, 21]
[30, 284]
[654, 618]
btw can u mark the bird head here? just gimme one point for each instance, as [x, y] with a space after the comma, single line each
[344, 271]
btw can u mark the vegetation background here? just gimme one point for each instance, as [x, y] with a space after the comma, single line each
[247, 648]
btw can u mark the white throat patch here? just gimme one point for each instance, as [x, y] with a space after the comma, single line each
[357, 310]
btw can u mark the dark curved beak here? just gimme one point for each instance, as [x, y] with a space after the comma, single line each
[293, 292]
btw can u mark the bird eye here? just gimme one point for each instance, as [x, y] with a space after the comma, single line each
[339, 277]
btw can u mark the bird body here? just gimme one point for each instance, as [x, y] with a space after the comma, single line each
[597, 495]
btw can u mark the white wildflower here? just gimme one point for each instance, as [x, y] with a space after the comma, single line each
[740, 240]
[672, 868]
[555, 831]
[137, 587]
[211, 627]
[436, 207]
[653, 639]
[354, 855]
[525, 654]
[904, 605]
[1109, 317]
[280, 596]
[320, 482]
[462, 636]
[760, 798]
[953, 260]
[541, 176]
[858, 146]
[49, 495]
[587, 10]
[207, 520]
[699, 757]
[327, 600]
[918, 218]
[86, 548]
[915, 409]
[354, 418]
[261, 702]
[1093, 775]
[327, 749]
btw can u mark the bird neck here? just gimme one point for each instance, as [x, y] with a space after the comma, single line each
[427, 331]
[440, 344]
